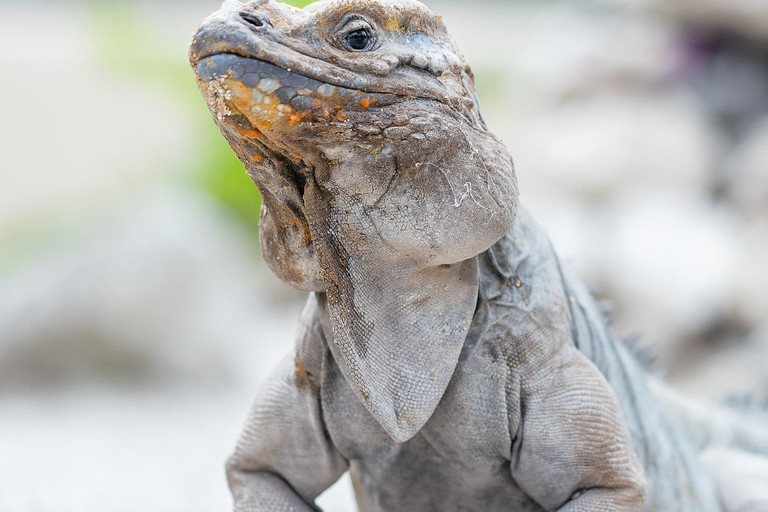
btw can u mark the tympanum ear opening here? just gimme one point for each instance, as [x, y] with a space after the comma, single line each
[398, 329]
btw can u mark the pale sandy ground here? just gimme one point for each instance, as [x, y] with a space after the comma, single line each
[132, 348]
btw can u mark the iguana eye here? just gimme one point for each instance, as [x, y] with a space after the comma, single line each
[359, 40]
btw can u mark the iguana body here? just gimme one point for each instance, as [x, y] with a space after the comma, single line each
[446, 358]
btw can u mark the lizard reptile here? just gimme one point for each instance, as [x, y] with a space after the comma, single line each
[445, 357]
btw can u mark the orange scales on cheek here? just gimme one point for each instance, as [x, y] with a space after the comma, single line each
[266, 109]
[260, 105]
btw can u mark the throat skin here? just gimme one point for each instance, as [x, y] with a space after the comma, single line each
[397, 338]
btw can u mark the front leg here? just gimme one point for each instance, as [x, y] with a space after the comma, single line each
[629, 497]
[573, 452]
[263, 491]
[284, 458]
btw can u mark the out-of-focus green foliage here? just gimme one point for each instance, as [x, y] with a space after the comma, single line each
[489, 82]
[128, 45]
[299, 3]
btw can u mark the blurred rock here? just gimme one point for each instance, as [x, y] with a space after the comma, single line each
[733, 368]
[671, 267]
[748, 187]
[531, 55]
[749, 17]
[596, 146]
[71, 131]
[166, 290]
[667, 262]
[750, 306]
[729, 74]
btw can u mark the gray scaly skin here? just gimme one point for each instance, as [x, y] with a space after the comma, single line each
[446, 358]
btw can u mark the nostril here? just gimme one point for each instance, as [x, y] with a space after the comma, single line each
[252, 19]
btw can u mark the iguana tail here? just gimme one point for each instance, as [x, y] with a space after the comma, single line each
[710, 425]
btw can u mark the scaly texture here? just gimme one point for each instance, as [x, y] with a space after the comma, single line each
[445, 357]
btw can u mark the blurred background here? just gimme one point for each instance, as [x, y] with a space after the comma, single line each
[137, 318]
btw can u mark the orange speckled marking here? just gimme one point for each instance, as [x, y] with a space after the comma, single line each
[269, 113]
[266, 112]
[393, 24]
[295, 118]
[250, 133]
[302, 378]
[258, 157]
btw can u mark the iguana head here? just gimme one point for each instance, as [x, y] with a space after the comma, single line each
[358, 121]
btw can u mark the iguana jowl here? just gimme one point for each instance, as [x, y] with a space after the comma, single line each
[445, 357]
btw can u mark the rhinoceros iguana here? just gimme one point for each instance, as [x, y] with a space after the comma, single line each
[445, 357]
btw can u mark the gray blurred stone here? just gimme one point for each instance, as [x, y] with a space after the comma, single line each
[677, 260]
[166, 290]
[748, 187]
[733, 368]
[750, 304]
[597, 146]
[669, 261]
[749, 17]
[73, 131]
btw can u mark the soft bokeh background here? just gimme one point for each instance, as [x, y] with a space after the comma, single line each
[137, 318]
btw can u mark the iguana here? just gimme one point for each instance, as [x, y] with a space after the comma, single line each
[445, 357]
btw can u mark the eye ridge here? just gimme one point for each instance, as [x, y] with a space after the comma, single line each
[359, 39]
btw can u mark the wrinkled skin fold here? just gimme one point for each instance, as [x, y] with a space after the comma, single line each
[445, 357]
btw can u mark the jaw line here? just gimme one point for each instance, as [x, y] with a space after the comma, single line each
[227, 50]
[266, 142]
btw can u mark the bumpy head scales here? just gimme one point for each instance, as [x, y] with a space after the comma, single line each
[358, 122]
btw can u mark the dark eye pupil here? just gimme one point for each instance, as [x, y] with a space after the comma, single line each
[358, 39]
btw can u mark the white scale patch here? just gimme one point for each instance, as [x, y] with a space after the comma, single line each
[216, 95]
[268, 85]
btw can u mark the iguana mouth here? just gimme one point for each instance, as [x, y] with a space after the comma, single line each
[290, 76]
[262, 101]
[265, 92]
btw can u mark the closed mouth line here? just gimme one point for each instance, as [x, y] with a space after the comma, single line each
[288, 71]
